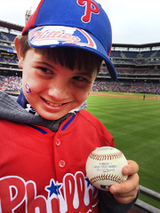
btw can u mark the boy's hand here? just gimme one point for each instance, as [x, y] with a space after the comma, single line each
[127, 191]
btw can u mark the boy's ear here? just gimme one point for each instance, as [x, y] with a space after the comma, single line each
[19, 52]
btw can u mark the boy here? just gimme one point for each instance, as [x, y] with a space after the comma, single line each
[46, 136]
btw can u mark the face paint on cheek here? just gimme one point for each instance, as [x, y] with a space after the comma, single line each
[28, 90]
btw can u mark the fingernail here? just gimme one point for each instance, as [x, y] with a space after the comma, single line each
[126, 170]
[114, 189]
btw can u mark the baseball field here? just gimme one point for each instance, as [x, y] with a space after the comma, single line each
[135, 126]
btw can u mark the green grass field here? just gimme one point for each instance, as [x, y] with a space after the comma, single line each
[135, 126]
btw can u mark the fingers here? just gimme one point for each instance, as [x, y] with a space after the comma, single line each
[126, 198]
[131, 168]
[127, 191]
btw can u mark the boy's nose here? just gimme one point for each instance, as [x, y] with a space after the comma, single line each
[59, 91]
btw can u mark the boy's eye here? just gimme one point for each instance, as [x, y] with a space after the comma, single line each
[45, 70]
[79, 78]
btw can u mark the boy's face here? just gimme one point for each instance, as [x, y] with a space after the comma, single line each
[53, 90]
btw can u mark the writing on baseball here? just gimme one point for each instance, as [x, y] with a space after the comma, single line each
[104, 167]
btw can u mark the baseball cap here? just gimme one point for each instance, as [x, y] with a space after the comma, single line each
[73, 23]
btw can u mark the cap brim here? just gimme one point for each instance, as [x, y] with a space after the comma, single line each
[53, 36]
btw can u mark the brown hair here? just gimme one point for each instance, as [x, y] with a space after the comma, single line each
[69, 57]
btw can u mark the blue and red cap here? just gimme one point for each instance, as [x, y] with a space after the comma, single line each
[73, 23]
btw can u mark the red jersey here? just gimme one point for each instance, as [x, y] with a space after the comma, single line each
[43, 171]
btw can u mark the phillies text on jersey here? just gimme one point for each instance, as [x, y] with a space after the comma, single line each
[70, 196]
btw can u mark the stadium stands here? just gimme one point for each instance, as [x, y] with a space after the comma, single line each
[138, 67]
[125, 87]
[7, 37]
[10, 83]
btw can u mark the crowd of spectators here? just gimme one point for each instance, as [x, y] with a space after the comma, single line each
[14, 83]
[129, 81]
[10, 83]
[133, 87]
[133, 72]
[8, 60]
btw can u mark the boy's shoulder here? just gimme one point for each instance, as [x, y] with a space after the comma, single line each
[89, 117]
[90, 122]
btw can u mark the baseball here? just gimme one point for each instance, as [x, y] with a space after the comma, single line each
[104, 167]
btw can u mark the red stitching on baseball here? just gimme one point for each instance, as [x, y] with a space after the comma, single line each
[107, 177]
[106, 156]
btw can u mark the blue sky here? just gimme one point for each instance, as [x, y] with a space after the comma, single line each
[133, 22]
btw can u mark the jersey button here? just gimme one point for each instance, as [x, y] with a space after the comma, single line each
[58, 142]
[62, 163]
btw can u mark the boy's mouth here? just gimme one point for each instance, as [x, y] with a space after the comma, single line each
[52, 104]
